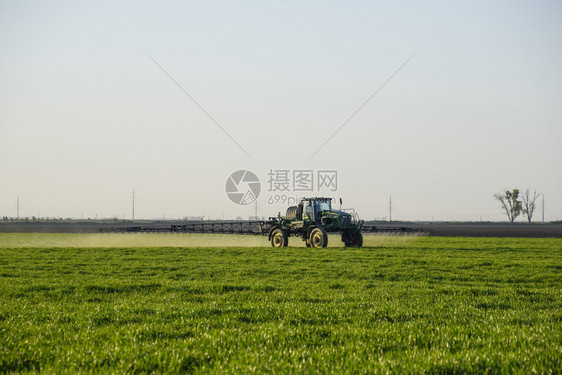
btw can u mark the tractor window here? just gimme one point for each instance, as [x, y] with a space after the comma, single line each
[325, 206]
[309, 211]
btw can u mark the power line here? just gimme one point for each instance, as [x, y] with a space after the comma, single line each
[201, 107]
[360, 108]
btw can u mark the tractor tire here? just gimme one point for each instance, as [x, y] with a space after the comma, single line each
[356, 240]
[279, 238]
[291, 213]
[318, 238]
[347, 238]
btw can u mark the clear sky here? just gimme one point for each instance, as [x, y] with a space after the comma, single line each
[86, 115]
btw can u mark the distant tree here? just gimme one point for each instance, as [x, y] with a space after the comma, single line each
[510, 203]
[529, 203]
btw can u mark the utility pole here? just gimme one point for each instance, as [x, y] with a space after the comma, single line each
[133, 204]
[543, 208]
[390, 209]
[18, 208]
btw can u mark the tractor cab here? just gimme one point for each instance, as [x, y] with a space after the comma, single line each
[313, 208]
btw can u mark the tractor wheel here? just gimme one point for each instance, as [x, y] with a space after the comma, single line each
[358, 239]
[347, 238]
[318, 238]
[353, 240]
[279, 238]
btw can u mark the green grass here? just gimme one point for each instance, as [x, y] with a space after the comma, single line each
[409, 305]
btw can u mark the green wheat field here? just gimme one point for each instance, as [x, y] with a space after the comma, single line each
[115, 303]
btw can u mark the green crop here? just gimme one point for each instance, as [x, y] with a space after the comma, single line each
[435, 305]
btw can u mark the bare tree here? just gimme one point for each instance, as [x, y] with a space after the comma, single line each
[529, 203]
[510, 204]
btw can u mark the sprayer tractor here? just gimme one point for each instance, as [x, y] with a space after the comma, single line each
[312, 220]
